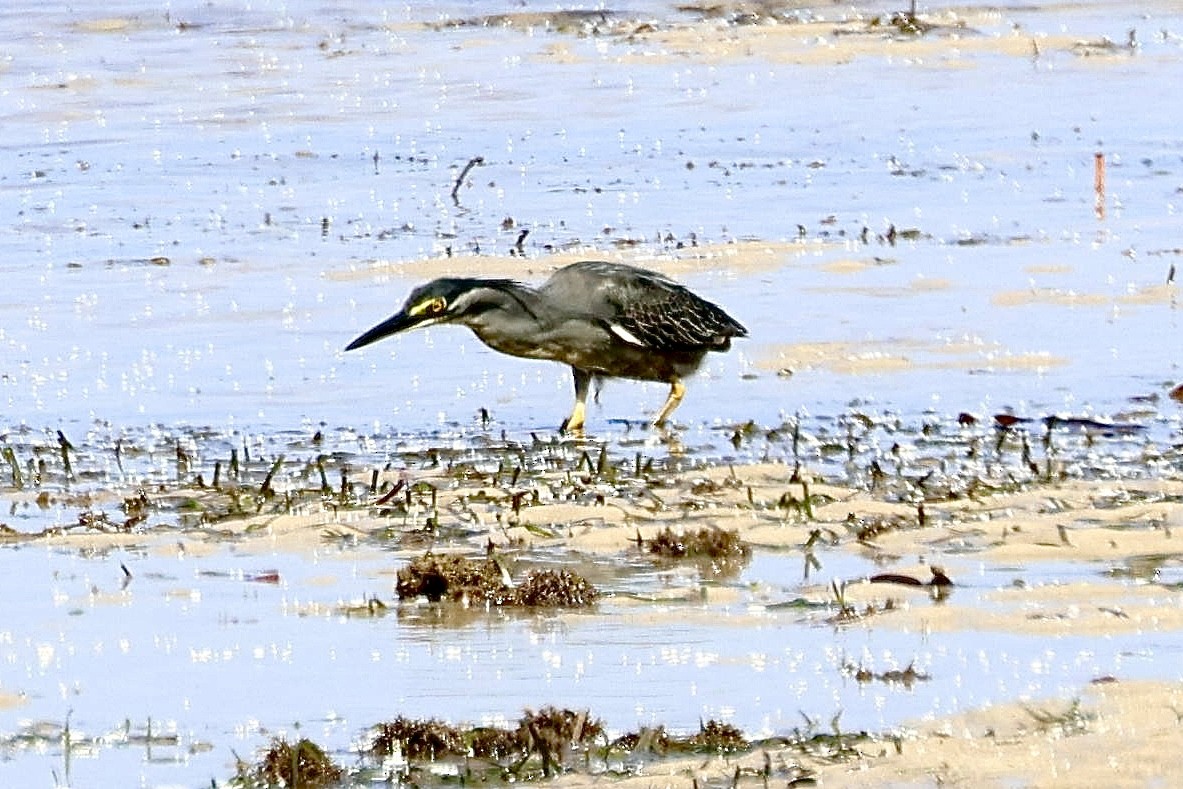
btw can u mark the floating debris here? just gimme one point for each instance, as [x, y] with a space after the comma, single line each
[939, 579]
[1083, 423]
[906, 677]
[577, 22]
[264, 577]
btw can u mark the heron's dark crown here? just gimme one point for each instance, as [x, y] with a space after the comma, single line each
[449, 288]
[451, 298]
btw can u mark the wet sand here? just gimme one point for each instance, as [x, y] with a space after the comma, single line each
[1117, 734]
[1115, 730]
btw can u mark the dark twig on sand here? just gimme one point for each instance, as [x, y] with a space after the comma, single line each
[473, 162]
[66, 448]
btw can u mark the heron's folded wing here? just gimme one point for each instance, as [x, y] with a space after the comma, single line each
[660, 314]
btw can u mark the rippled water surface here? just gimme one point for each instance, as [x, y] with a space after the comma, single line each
[203, 203]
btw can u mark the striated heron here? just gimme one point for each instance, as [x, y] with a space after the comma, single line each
[603, 319]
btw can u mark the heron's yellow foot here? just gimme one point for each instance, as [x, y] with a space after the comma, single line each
[677, 392]
[574, 423]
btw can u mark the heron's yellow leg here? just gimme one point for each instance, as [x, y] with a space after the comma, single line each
[574, 423]
[677, 392]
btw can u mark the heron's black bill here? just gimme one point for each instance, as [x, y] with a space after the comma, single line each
[391, 325]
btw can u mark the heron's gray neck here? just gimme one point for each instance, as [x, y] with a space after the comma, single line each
[511, 320]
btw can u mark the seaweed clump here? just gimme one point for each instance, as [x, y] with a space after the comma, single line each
[712, 737]
[718, 737]
[549, 588]
[456, 578]
[551, 735]
[283, 764]
[418, 740]
[722, 549]
[430, 753]
[453, 577]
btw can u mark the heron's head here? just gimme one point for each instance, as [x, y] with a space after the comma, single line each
[445, 300]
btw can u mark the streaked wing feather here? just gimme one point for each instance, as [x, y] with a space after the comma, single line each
[642, 307]
[664, 315]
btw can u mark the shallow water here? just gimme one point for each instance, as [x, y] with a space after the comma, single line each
[111, 164]
[206, 658]
[199, 207]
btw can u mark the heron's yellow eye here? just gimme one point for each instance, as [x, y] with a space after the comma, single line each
[431, 307]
